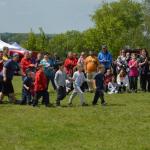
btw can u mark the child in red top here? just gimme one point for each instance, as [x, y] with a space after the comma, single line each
[107, 78]
[133, 73]
[40, 87]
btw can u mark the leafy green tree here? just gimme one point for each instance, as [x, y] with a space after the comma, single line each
[115, 22]
[41, 41]
[65, 42]
[146, 25]
[58, 44]
[30, 44]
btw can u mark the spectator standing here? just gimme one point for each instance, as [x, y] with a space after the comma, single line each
[1, 61]
[38, 59]
[121, 61]
[32, 58]
[144, 68]
[75, 58]
[90, 67]
[1, 68]
[48, 69]
[82, 59]
[148, 75]
[69, 64]
[128, 57]
[5, 53]
[25, 63]
[105, 57]
[133, 73]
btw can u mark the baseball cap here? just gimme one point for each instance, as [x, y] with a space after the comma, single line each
[15, 55]
[104, 46]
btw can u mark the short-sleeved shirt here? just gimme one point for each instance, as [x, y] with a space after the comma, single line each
[91, 64]
[11, 67]
[99, 81]
[79, 78]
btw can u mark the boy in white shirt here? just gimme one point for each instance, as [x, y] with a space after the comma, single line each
[78, 78]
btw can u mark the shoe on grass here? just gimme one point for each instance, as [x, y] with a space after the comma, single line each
[104, 104]
[70, 104]
[84, 104]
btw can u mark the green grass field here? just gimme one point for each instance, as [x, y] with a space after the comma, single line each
[122, 125]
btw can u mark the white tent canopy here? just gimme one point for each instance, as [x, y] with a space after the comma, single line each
[3, 44]
[18, 46]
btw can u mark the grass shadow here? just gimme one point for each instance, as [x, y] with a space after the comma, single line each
[123, 105]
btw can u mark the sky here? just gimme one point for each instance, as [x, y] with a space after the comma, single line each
[54, 16]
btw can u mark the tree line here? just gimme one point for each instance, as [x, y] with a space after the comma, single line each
[121, 24]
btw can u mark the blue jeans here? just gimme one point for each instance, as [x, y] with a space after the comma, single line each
[26, 97]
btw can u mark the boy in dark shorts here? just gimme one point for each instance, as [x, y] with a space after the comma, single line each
[99, 86]
[9, 69]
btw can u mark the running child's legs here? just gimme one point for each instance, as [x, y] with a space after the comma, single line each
[76, 91]
[61, 93]
[40, 94]
[98, 94]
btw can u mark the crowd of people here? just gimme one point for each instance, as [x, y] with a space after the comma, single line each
[94, 73]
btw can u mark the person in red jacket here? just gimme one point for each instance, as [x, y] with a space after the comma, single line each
[25, 63]
[75, 58]
[69, 64]
[40, 87]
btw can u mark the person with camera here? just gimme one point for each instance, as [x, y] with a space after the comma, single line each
[121, 61]
[122, 81]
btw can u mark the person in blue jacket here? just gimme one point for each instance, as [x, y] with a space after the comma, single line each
[105, 57]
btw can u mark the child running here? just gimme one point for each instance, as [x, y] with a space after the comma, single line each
[99, 86]
[78, 78]
[40, 87]
[60, 82]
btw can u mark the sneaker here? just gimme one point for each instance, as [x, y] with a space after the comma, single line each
[57, 104]
[135, 91]
[84, 104]
[48, 105]
[94, 104]
[104, 104]
[70, 104]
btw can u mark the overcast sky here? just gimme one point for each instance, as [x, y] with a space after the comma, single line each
[54, 16]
